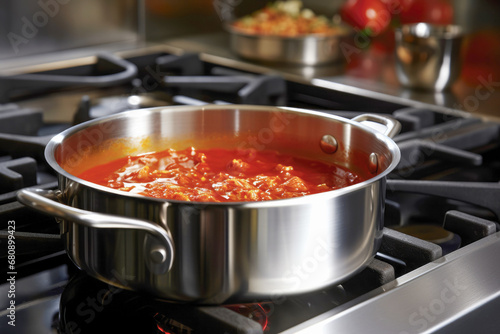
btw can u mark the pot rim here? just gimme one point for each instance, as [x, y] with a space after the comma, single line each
[59, 138]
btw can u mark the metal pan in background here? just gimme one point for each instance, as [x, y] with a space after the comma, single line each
[312, 49]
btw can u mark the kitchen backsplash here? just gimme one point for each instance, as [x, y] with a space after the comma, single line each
[31, 27]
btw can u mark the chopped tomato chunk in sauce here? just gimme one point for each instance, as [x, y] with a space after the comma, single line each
[220, 175]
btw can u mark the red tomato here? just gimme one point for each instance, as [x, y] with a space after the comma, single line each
[481, 54]
[396, 7]
[370, 15]
[430, 11]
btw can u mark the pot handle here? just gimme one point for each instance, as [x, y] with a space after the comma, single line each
[160, 253]
[392, 126]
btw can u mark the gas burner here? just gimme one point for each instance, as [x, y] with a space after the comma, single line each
[447, 240]
[88, 304]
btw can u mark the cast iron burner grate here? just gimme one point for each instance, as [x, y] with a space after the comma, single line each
[165, 79]
[22, 165]
[107, 70]
[24, 134]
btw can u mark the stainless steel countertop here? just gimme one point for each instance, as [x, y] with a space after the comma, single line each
[372, 74]
[443, 296]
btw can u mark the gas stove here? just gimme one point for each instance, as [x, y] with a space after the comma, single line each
[436, 270]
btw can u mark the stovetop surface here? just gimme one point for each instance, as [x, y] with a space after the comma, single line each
[368, 71]
[447, 179]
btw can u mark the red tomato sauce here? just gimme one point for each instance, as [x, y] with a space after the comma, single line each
[220, 175]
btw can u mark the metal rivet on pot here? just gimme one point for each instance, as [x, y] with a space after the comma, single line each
[329, 144]
[158, 255]
[373, 163]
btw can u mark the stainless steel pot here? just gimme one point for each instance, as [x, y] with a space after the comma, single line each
[220, 252]
[313, 49]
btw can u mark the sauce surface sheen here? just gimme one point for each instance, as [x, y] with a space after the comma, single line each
[220, 175]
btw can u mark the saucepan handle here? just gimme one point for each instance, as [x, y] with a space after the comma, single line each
[392, 126]
[160, 253]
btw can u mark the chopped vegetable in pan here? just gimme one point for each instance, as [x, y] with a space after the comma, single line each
[285, 18]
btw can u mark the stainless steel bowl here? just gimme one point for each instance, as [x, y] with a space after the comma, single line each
[428, 56]
[313, 49]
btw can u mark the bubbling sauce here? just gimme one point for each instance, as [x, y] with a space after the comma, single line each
[220, 175]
